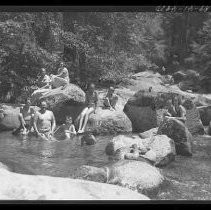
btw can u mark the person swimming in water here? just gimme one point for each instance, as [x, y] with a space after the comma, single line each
[68, 129]
[44, 122]
[91, 105]
[26, 118]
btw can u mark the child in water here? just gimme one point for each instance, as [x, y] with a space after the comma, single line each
[68, 128]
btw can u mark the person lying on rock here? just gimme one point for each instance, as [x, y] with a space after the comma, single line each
[68, 129]
[111, 99]
[44, 122]
[175, 110]
[62, 78]
[26, 118]
[91, 105]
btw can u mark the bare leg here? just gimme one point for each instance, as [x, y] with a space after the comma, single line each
[83, 113]
[114, 101]
[90, 110]
[22, 121]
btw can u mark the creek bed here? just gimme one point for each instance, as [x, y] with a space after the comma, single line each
[187, 177]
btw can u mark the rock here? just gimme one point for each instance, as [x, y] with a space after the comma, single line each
[164, 150]
[122, 141]
[149, 133]
[179, 76]
[108, 122]
[29, 187]
[144, 109]
[161, 145]
[177, 131]
[88, 139]
[193, 120]
[9, 117]
[205, 114]
[134, 175]
[62, 102]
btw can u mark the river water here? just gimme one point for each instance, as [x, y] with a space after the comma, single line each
[187, 178]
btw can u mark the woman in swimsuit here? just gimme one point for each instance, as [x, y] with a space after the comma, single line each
[91, 105]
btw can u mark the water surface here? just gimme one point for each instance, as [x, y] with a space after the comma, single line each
[188, 178]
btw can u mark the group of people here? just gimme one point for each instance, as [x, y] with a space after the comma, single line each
[42, 123]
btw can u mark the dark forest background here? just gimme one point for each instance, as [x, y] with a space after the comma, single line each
[105, 48]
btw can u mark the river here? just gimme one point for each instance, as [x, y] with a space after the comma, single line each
[188, 178]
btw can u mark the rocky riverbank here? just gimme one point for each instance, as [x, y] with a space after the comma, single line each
[139, 110]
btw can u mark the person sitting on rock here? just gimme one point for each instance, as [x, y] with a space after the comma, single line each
[68, 128]
[26, 118]
[62, 78]
[44, 84]
[175, 110]
[111, 99]
[91, 105]
[44, 80]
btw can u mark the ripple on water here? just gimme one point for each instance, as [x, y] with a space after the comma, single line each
[187, 177]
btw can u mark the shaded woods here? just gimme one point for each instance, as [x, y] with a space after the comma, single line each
[104, 48]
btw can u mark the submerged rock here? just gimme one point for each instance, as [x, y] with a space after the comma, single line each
[29, 187]
[159, 149]
[177, 131]
[134, 175]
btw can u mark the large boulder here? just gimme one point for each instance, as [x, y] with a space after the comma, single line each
[160, 145]
[105, 121]
[69, 100]
[134, 175]
[205, 114]
[145, 108]
[177, 131]
[29, 187]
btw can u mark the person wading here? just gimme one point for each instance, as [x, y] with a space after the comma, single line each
[26, 118]
[44, 122]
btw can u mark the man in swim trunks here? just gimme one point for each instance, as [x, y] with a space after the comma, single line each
[44, 122]
[111, 99]
[26, 118]
[91, 105]
[62, 78]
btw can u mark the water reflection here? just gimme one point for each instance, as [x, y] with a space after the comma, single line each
[55, 158]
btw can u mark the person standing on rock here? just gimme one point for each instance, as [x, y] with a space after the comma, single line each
[26, 118]
[111, 99]
[91, 105]
[44, 122]
[62, 78]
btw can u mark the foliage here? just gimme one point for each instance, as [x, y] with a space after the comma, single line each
[97, 46]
